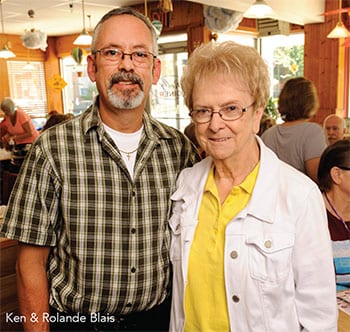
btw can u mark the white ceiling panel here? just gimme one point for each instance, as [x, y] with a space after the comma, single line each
[60, 17]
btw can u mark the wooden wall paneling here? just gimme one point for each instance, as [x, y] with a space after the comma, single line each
[321, 61]
[52, 67]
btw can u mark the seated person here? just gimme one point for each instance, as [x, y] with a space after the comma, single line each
[54, 119]
[334, 181]
[17, 128]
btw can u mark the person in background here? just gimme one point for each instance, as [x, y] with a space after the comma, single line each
[91, 205]
[189, 132]
[297, 141]
[17, 128]
[56, 118]
[334, 181]
[266, 123]
[334, 128]
[250, 245]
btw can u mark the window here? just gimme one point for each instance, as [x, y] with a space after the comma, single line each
[285, 58]
[27, 87]
[79, 93]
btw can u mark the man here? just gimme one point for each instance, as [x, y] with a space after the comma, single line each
[334, 128]
[92, 202]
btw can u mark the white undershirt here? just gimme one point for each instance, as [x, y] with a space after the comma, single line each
[127, 145]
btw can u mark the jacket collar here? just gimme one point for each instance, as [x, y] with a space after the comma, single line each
[263, 200]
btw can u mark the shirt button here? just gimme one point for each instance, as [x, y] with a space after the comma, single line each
[234, 254]
[133, 270]
[133, 194]
[133, 230]
[128, 305]
[235, 298]
[268, 244]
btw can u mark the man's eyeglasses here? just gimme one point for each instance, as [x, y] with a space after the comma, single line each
[227, 113]
[115, 56]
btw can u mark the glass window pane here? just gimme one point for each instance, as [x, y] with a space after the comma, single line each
[79, 93]
[27, 86]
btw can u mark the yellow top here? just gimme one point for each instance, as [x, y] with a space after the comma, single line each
[205, 296]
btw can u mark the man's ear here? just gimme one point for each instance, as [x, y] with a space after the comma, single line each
[156, 70]
[91, 67]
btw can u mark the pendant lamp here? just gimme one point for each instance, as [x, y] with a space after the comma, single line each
[259, 9]
[84, 38]
[5, 51]
[340, 31]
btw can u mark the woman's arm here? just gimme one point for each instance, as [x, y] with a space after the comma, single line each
[311, 166]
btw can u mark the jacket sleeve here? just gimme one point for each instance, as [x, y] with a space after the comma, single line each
[315, 289]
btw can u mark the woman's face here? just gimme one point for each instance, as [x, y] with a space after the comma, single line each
[219, 138]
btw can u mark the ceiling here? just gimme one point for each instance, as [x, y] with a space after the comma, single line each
[61, 17]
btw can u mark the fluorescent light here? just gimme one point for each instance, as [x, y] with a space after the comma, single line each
[259, 9]
[340, 31]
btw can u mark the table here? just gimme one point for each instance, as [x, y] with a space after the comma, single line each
[343, 322]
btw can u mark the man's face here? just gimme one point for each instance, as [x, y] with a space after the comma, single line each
[334, 129]
[123, 83]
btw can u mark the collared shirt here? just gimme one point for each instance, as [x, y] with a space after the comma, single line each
[109, 233]
[206, 282]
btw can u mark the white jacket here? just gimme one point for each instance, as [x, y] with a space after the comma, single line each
[279, 272]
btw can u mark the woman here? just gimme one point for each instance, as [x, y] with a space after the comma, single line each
[334, 181]
[17, 128]
[250, 245]
[297, 141]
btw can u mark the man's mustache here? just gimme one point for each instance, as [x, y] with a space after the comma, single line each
[126, 76]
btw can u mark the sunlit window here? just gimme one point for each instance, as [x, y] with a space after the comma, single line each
[27, 88]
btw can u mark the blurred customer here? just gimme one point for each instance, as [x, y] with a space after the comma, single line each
[265, 123]
[92, 204]
[17, 128]
[189, 132]
[297, 141]
[55, 119]
[334, 181]
[334, 127]
[250, 245]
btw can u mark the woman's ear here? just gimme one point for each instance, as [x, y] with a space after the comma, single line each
[335, 174]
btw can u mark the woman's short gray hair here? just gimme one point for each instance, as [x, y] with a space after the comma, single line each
[229, 58]
[8, 104]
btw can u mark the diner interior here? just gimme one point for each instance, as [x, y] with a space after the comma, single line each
[43, 48]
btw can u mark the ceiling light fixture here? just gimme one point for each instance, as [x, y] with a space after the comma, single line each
[5, 51]
[340, 31]
[84, 38]
[259, 9]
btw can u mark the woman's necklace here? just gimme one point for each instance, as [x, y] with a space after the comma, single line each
[128, 153]
[336, 212]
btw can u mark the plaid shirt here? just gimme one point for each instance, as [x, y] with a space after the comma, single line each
[109, 234]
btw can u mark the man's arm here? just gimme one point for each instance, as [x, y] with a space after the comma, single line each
[32, 286]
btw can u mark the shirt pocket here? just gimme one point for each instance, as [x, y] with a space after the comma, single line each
[270, 256]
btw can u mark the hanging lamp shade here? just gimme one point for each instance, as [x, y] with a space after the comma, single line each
[259, 9]
[339, 31]
[84, 38]
[5, 51]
